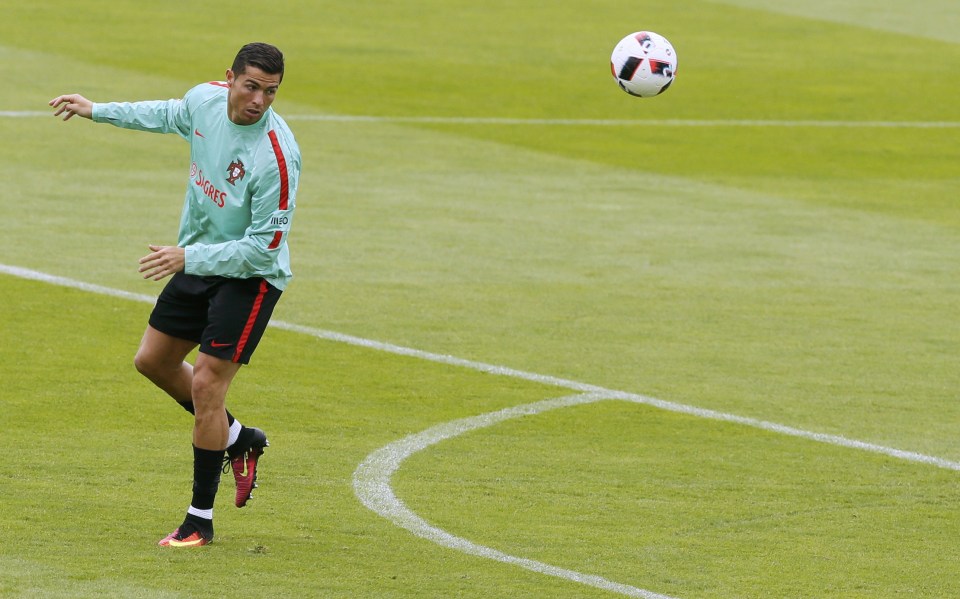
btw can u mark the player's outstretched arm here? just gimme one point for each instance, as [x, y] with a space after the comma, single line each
[72, 104]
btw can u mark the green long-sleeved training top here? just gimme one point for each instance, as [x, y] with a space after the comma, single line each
[242, 189]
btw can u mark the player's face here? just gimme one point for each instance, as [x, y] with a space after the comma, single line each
[251, 94]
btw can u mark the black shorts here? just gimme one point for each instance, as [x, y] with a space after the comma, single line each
[225, 316]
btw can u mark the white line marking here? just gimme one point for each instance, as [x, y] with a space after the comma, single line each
[372, 477]
[371, 483]
[455, 120]
[622, 395]
[26, 273]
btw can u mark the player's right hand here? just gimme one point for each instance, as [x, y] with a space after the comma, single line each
[72, 104]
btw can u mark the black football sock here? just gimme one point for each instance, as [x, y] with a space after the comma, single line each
[206, 479]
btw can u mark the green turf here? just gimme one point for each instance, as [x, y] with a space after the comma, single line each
[803, 275]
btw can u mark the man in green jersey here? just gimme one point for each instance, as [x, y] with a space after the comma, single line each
[229, 266]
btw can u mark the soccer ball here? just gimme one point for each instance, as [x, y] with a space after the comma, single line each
[644, 64]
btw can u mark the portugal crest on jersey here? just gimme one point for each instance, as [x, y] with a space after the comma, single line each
[235, 171]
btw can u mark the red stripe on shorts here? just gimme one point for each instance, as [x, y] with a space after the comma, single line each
[250, 321]
[282, 164]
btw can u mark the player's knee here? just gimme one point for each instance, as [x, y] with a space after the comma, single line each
[149, 366]
[144, 364]
[208, 391]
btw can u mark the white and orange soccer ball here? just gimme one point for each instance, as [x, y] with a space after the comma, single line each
[644, 64]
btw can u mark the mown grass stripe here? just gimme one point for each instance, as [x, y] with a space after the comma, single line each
[581, 387]
[455, 120]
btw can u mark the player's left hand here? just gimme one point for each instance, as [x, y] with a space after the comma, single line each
[162, 261]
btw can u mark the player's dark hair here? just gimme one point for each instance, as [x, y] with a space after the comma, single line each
[265, 57]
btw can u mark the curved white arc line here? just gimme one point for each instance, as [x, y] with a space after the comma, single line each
[371, 483]
[371, 480]
[27, 273]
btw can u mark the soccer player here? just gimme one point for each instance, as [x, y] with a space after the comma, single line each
[230, 263]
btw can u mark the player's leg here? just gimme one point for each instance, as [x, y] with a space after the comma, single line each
[239, 314]
[211, 380]
[175, 327]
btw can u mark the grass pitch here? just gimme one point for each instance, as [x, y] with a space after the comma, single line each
[798, 270]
